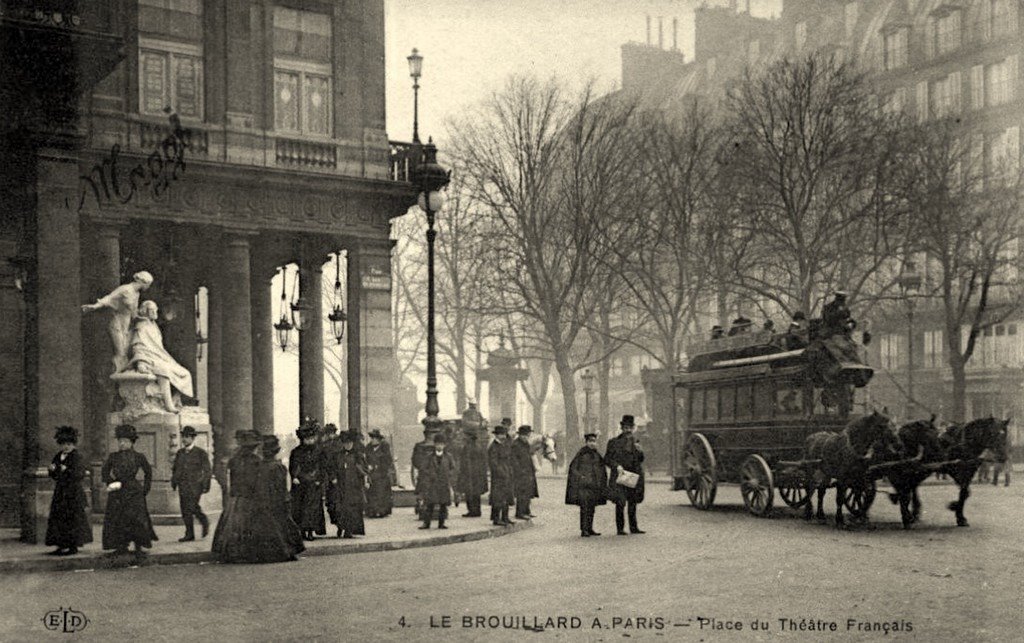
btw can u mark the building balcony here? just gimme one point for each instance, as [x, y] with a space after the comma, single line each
[372, 157]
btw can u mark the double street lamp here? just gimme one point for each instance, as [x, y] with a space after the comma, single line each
[430, 178]
[910, 283]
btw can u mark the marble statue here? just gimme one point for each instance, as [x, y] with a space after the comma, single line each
[124, 302]
[147, 355]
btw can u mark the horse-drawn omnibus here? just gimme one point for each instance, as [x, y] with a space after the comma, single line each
[745, 407]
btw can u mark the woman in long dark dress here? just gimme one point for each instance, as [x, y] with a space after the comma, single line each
[234, 538]
[281, 538]
[307, 485]
[379, 500]
[68, 527]
[351, 487]
[127, 517]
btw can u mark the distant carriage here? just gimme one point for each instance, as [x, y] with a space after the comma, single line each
[745, 409]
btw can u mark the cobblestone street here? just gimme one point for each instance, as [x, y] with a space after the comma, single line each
[723, 565]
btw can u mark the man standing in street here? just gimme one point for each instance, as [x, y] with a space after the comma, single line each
[499, 462]
[437, 475]
[586, 483]
[624, 454]
[190, 475]
[472, 480]
[524, 476]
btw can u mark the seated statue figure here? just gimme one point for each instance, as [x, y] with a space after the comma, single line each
[147, 355]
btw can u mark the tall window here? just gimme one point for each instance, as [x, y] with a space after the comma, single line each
[889, 345]
[800, 35]
[171, 57]
[977, 86]
[1004, 18]
[945, 95]
[999, 81]
[934, 349]
[896, 49]
[850, 21]
[302, 72]
[947, 32]
[921, 101]
[1004, 153]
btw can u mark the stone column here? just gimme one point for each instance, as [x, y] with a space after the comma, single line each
[236, 338]
[311, 339]
[262, 349]
[102, 269]
[353, 294]
[54, 362]
[222, 441]
[371, 343]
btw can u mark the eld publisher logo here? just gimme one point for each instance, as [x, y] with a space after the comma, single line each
[65, 620]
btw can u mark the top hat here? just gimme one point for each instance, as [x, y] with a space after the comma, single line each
[305, 432]
[188, 431]
[126, 431]
[627, 420]
[66, 435]
[500, 430]
[375, 433]
[525, 429]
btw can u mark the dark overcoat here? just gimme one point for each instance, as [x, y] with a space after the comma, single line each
[622, 451]
[381, 464]
[127, 517]
[524, 475]
[438, 474]
[473, 469]
[587, 482]
[68, 525]
[281, 536]
[499, 462]
[351, 470]
[191, 472]
[304, 465]
[329, 450]
[420, 452]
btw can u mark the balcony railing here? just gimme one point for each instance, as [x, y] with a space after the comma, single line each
[401, 161]
[311, 154]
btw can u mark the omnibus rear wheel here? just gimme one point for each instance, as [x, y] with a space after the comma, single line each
[700, 470]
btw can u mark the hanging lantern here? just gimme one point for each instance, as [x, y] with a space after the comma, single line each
[337, 316]
[298, 306]
[284, 326]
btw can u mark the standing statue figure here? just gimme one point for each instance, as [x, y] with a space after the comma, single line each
[124, 301]
[148, 356]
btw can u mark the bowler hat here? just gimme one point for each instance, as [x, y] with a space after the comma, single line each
[506, 421]
[587, 436]
[188, 431]
[439, 438]
[347, 436]
[627, 420]
[270, 445]
[500, 430]
[66, 435]
[126, 431]
[525, 429]
[330, 428]
[247, 438]
[375, 433]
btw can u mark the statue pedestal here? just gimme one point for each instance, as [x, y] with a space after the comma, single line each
[159, 441]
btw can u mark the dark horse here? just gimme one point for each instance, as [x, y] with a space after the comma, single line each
[845, 457]
[957, 452]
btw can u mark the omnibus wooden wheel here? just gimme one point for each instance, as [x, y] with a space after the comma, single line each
[701, 472]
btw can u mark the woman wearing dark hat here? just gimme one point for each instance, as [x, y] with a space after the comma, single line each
[382, 475]
[280, 539]
[127, 518]
[307, 484]
[234, 540]
[438, 475]
[586, 483]
[68, 526]
[499, 462]
[350, 488]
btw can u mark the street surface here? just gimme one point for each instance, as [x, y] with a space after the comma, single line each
[947, 583]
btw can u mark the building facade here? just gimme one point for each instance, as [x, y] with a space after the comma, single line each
[210, 142]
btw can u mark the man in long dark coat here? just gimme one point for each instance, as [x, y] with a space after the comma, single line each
[472, 481]
[191, 475]
[835, 316]
[382, 476]
[499, 463]
[438, 474]
[420, 452]
[624, 453]
[305, 468]
[524, 475]
[351, 488]
[587, 483]
[329, 447]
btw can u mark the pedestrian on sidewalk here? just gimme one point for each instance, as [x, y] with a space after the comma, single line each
[304, 468]
[379, 500]
[234, 539]
[126, 519]
[472, 477]
[350, 487]
[524, 475]
[499, 463]
[420, 454]
[438, 474]
[624, 454]
[190, 475]
[68, 526]
[281, 538]
[329, 447]
[586, 483]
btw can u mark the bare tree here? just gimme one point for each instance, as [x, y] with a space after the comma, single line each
[966, 211]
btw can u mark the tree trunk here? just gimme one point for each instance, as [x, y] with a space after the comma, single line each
[460, 380]
[958, 367]
[573, 436]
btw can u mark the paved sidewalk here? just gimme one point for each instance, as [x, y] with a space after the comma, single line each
[399, 531]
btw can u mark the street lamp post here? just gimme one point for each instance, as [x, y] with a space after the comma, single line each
[588, 388]
[910, 282]
[430, 178]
